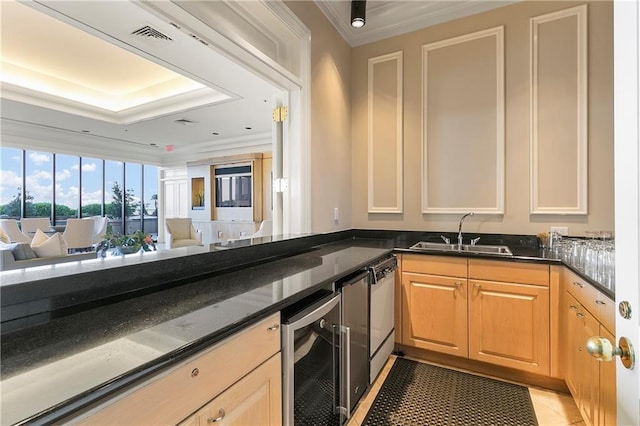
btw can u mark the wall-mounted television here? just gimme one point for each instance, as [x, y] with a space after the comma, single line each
[233, 186]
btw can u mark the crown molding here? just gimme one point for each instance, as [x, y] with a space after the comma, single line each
[393, 18]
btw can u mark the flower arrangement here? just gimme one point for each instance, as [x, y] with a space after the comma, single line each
[125, 244]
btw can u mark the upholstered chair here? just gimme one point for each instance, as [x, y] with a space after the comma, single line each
[79, 234]
[181, 233]
[30, 225]
[10, 228]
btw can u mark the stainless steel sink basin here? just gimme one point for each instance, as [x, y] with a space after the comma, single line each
[466, 248]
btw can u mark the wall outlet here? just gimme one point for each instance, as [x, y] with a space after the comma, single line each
[336, 215]
[562, 230]
[220, 234]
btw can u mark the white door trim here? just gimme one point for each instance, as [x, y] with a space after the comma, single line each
[626, 35]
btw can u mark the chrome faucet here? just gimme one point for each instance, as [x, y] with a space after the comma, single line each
[460, 229]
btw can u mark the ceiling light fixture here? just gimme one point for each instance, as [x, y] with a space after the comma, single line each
[358, 13]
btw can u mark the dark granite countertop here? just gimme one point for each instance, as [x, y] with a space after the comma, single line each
[54, 367]
[81, 347]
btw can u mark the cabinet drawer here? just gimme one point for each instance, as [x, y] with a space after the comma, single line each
[254, 400]
[435, 265]
[512, 272]
[606, 311]
[584, 292]
[171, 396]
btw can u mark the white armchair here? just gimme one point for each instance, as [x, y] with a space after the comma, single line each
[181, 233]
[31, 224]
[10, 228]
[99, 227]
[265, 230]
[79, 234]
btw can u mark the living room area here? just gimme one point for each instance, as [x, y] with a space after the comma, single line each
[119, 157]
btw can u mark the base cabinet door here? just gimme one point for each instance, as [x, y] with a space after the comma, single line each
[589, 372]
[254, 400]
[607, 414]
[583, 371]
[509, 325]
[435, 313]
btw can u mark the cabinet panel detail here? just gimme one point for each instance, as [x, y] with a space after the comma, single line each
[521, 342]
[525, 273]
[435, 265]
[463, 112]
[437, 313]
[385, 135]
[254, 400]
[558, 112]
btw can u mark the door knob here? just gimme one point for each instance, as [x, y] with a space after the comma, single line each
[603, 350]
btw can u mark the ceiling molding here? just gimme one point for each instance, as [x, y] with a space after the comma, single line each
[50, 139]
[155, 109]
[392, 18]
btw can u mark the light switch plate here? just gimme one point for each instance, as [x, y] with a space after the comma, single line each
[562, 230]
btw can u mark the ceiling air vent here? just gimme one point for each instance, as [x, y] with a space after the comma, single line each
[184, 121]
[147, 31]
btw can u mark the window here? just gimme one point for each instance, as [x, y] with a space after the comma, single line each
[89, 186]
[150, 199]
[92, 196]
[114, 194]
[133, 197]
[67, 184]
[11, 183]
[38, 184]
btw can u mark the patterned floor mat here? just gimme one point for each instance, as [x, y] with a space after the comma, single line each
[415, 393]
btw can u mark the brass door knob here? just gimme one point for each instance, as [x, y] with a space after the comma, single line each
[603, 350]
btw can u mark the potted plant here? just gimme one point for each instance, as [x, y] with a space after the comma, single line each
[126, 244]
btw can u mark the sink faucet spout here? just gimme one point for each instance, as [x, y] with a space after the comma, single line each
[460, 229]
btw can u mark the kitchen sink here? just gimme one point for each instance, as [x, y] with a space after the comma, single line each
[466, 248]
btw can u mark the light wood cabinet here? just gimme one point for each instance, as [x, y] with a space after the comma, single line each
[254, 400]
[509, 325]
[434, 303]
[608, 405]
[231, 370]
[436, 313]
[583, 369]
[591, 382]
[491, 311]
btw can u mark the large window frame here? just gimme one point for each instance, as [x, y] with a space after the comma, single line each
[144, 218]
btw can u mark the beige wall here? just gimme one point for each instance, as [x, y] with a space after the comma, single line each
[330, 120]
[516, 218]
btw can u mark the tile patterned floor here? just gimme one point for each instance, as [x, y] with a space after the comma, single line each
[552, 408]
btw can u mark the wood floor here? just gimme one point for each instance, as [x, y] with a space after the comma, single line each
[552, 408]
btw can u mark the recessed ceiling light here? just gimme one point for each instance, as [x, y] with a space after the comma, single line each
[215, 133]
[247, 128]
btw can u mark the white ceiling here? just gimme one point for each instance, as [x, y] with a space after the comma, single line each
[236, 104]
[218, 95]
[386, 19]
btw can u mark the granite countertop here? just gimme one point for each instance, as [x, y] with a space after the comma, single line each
[52, 368]
[72, 357]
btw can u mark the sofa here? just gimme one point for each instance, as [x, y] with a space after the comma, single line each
[8, 260]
